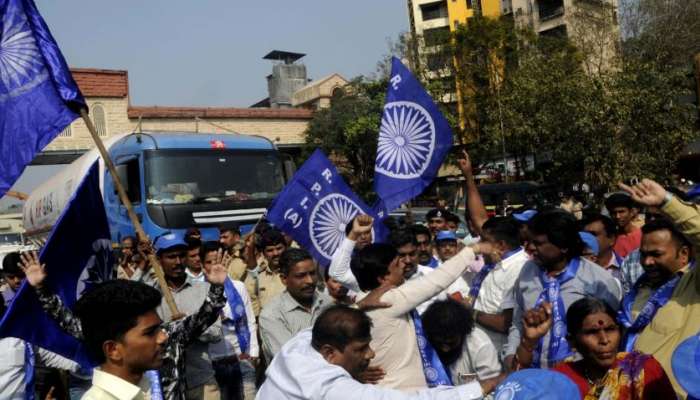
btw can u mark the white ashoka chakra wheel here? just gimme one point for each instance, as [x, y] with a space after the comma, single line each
[431, 373]
[406, 140]
[328, 220]
[20, 59]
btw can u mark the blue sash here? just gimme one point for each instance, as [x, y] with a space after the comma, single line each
[434, 262]
[28, 371]
[657, 300]
[240, 320]
[479, 278]
[618, 258]
[154, 380]
[558, 346]
[434, 371]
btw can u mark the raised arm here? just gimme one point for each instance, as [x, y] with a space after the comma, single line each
[190, 328]
[339, 269]
[50, 302]
[474, 205]
[415, 291]
[685, 216]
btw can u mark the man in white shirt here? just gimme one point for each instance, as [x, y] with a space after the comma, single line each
[123, 334]
[358, 235]
[491, 293]
[396, 331]
[324, 364]
[406, 245]
[464, 349]
[235, 357]
[193, 260]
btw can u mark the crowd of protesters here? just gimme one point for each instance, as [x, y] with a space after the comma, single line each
[559, 303]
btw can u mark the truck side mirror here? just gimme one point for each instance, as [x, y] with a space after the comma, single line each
[289, 167]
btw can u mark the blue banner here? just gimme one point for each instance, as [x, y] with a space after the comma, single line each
[315, 207]
[78, 254]
[414, 138]
[38, 96]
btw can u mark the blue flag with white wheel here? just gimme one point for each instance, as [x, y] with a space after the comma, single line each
[78, 255]
[38, 96]
[414, 138]
[315, 207]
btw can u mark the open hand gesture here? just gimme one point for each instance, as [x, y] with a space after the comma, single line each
[646, 192]
[216, 274]
[33, 269]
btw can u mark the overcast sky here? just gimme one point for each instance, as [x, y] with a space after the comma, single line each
[209, 52]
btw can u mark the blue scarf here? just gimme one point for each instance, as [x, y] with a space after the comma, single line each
[240, 320]
[154, 379]
[434, 371]
[618, 258]
[558, 346]
[434, 262]
[657, 300]
[28, 371]
[479, 278]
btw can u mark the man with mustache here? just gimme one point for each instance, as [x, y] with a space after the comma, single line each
[189, 295]
[297, 307]
[327, 362]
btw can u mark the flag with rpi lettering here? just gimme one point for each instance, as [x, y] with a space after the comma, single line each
[38, 96]
[414, 139]
[316, 206]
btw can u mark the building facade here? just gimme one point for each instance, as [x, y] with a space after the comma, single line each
[107, 96]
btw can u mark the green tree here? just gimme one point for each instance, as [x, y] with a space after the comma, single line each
[347, 132]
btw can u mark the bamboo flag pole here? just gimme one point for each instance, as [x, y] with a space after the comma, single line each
[130, 211]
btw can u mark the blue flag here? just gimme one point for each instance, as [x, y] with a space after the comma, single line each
[38, 96]
[414, 138]
[78, 254]
[315, 207]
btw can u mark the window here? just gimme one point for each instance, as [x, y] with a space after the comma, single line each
[337, 92]
[550, 9]
[130, 177]
[99, 119]
[434, 10]
[66, 132]
[469, 4]
[437, 61]
[436, 36]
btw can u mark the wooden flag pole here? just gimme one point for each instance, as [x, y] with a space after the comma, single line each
[132, 215]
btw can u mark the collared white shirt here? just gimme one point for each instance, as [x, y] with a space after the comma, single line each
[106, 386]
[496, 293]
[300, 372]
[479, 356]
[13, 366]
[197, 278]
[229, 346]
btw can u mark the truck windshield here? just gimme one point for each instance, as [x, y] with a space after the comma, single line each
[211, 176]
[10, 238]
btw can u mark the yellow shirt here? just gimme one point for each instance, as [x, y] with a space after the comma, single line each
[680, 317]
[269, 284]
